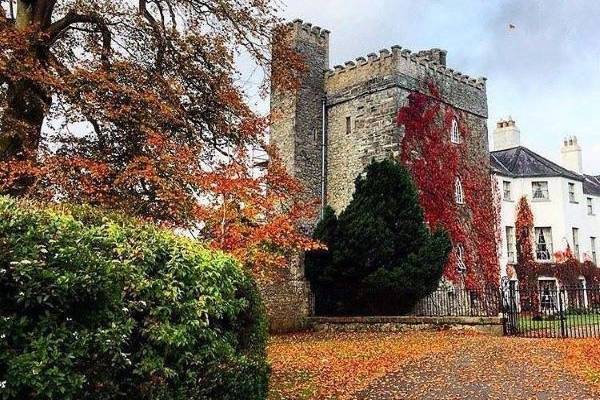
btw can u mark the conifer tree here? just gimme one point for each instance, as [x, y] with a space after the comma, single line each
[381, 258]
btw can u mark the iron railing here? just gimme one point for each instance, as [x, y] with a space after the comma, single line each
[546, 310]
[461, 303]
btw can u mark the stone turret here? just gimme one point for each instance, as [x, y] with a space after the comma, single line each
[506, 135]
[572, 155]
[298, 127]
[297, 131]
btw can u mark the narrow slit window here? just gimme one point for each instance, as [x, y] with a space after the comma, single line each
[459, 194]
[454, 132]
[460, 259]
[348, 125]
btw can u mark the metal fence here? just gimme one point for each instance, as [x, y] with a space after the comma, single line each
[544, 310]
[459, 302]
[547, 310]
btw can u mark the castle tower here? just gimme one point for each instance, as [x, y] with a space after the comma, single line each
[297, 130]
[506, 135]
[571, 155]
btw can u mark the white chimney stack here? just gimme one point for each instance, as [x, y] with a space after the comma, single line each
[506, 135]
[571, 155]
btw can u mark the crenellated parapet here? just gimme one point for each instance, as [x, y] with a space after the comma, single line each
[309, 31]
[426, 61]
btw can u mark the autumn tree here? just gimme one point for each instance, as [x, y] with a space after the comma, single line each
[137, 106]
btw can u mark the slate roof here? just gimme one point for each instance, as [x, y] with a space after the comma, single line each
[524, 163]
[520, 162]
[591, 185]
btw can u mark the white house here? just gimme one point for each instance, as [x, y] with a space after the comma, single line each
[564, 201]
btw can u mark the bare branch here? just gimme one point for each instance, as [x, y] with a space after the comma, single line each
[158, 33]
[57, 28]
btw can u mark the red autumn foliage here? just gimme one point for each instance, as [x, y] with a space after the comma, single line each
[136, 106]
[435, 164]
[565, 266]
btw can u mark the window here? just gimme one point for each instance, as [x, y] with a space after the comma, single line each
[506, 186]
[543, 244]
[460, 259]
[594, 256]
[540, 190]
[576, 243]
[510, 244]
[348, 125]
[548, 290]
[459, 194]
[590, 206]
[572, 197]
[454, 132]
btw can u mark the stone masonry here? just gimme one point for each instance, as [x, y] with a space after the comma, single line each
[359, 102]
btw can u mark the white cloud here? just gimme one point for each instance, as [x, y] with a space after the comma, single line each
[545, 72]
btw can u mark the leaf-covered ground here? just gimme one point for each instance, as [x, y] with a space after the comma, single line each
[432, 365]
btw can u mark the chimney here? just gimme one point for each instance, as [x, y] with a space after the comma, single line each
[571, 155]
[506, 135]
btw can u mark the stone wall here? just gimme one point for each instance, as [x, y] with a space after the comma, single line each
[298, 127]
[370, 91]
[373, 135]
[488, 325]
[288, 300]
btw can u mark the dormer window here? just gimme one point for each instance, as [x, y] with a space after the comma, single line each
[459, 194]
[454, 132]
[460, 259]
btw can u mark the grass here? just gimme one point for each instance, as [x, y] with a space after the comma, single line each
[527, 323]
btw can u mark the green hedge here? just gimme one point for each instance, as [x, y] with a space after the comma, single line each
[96, 306]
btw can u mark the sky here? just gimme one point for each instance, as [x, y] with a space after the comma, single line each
[545, 72]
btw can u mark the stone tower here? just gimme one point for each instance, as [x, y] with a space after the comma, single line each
[341, 119]
[298, 127]
[298, 133]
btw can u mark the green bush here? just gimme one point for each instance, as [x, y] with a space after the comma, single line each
[96, 306]
[381, 257]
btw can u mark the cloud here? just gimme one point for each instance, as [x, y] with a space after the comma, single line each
[545, 71]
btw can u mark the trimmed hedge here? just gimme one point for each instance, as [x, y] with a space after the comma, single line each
[97, 306]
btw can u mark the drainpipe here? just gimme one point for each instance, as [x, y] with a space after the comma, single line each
[323, 153]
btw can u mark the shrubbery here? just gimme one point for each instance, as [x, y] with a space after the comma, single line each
[381, 258]
[94, 306]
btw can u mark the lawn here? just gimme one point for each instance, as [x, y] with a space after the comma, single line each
[526, 323]
[415, 365]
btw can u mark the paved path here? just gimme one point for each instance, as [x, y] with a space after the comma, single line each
[502, 371]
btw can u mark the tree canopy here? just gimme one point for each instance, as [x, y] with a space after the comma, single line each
[138, 106]
[381, 256]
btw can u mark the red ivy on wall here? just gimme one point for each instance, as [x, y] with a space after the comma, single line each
[435, 164]
[565, 268]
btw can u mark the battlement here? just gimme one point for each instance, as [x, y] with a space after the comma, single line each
[426, 61]
[308, 30]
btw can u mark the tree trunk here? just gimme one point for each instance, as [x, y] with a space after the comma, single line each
[27, 103]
